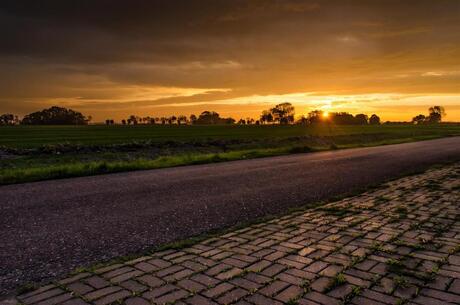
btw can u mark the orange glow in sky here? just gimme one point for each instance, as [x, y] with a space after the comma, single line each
[162, 58]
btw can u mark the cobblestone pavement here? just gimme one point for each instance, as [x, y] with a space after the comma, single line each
[399, 244]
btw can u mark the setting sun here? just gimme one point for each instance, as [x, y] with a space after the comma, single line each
[325, 114]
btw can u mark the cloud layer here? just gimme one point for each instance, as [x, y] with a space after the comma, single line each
[110, 58]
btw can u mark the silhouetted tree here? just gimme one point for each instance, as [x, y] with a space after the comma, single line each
[55, 116]
[315, 116]
[283, 113]
[211, 118]
[435, 114]
[9, 119]
[302, 120]
[374, 120]
[266, 117]
[172, 120]
[123, 122]
[147, 120]
[361, 119]
[250, 121]
[208, 117]
[228, 121]
[341, 118]
[193, 119]
[419, 119]
[133, 120]
[181, 119]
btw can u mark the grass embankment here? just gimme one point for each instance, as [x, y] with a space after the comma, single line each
[51, 152]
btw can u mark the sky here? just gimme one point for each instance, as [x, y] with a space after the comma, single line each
[110, 59]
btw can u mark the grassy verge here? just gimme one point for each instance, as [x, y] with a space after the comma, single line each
[84, 168]
[20, 175]
[34, 153]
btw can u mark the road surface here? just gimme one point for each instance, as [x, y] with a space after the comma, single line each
[49, 228]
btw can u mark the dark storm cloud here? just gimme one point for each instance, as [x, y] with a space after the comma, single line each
[96, 31]
[173, 31]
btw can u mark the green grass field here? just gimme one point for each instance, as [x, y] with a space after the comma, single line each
[32, 153]
[33, 136]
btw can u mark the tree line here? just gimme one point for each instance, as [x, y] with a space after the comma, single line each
[435, 115]
[281, 114]
[50, 116]
[205, 118]
[285, 113]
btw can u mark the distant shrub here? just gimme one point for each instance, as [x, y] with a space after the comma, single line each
[55, 116]
[300, 149]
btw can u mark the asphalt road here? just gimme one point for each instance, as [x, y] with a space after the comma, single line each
[49, 228]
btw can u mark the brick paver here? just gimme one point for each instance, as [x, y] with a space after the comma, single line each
[399, 244]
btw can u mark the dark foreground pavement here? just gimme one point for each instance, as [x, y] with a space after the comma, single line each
[50, 228]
